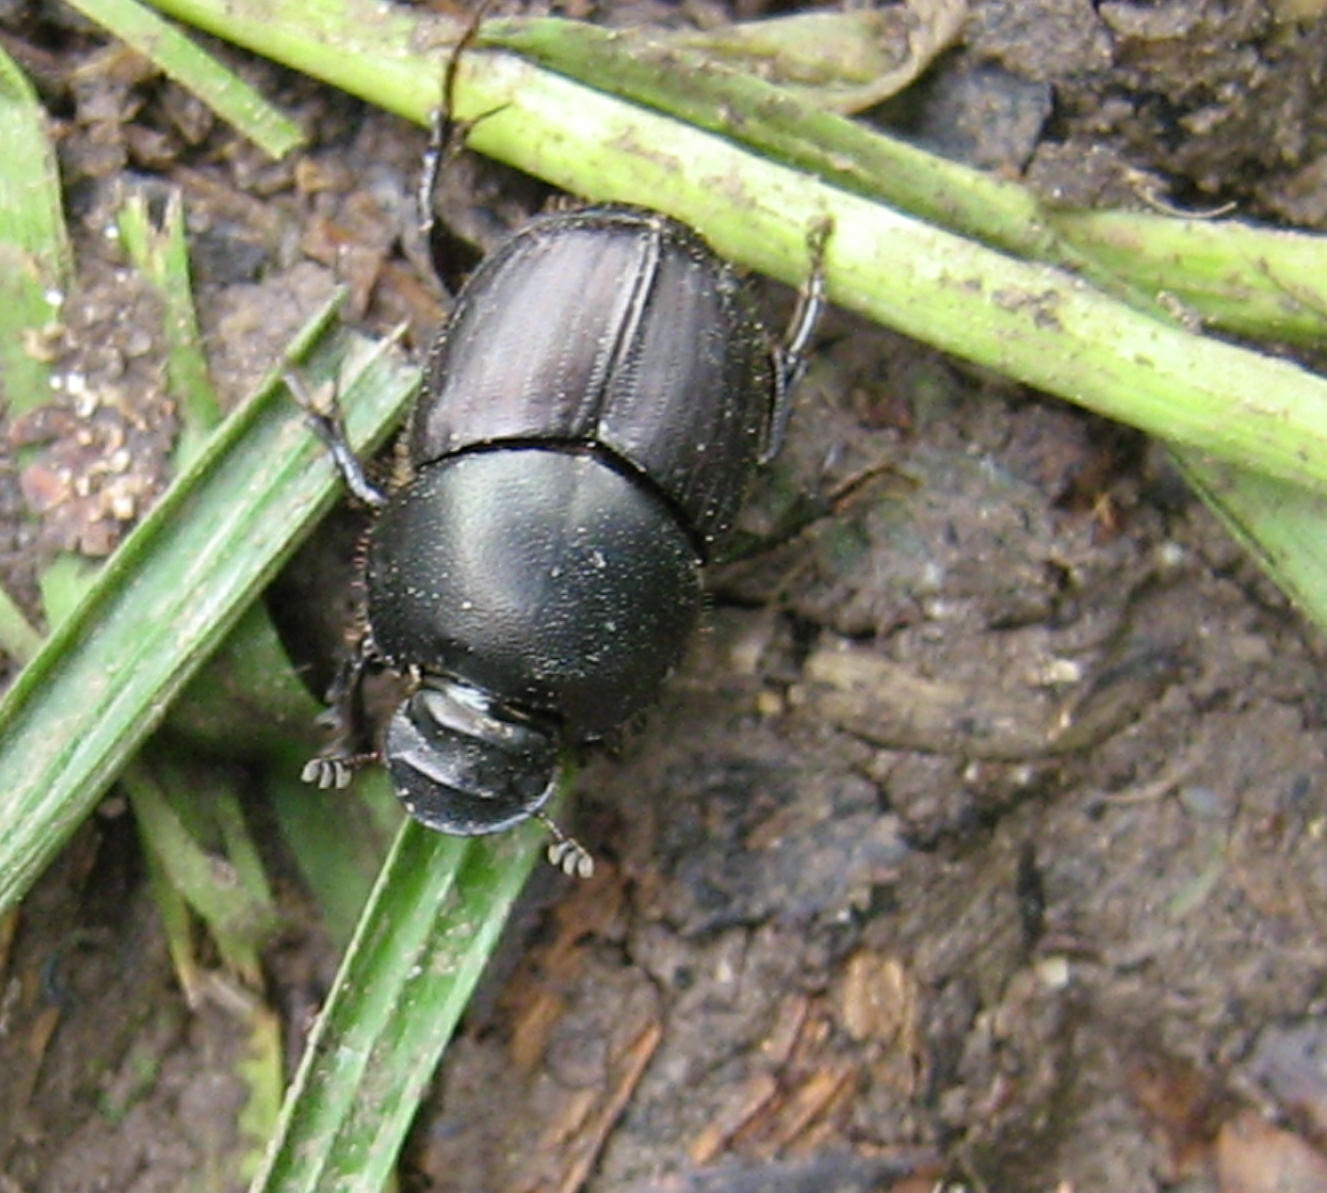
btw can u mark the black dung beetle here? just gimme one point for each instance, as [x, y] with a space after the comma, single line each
[589, 419]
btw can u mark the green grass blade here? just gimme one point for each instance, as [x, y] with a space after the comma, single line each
[436, 911]
[338, 855]
[1263, 283]
[248, 703]
[35, 262]
[1281, 525]
[177, 923]
[178, 58]
[161, 255]
[189, 820]
[104, 678]
[261, 1072]
[19, 639]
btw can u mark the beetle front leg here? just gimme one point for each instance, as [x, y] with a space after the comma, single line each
[566, 853]
[324, 417]
[352, 747]
[327, 772]
[789, 356]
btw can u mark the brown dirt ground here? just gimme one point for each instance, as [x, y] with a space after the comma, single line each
[981, 838]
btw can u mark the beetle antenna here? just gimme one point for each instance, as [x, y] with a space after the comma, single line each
[566, 853]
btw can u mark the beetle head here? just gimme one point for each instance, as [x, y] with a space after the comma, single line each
[463, 764]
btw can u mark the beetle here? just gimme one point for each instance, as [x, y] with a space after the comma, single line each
[589, 418]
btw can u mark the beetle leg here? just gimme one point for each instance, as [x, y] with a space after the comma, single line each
[324, 417]
[326, 773]
[446, 134]
[789, 356]
[566, 853]
[352, 747]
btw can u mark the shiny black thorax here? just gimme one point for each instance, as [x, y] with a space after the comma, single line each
[589, 420]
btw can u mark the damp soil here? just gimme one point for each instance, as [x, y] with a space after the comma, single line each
[979, 840]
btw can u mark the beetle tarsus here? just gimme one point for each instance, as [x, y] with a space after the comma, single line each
[334, 772]
[566, 853]
[789, 356]
[324, 416]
